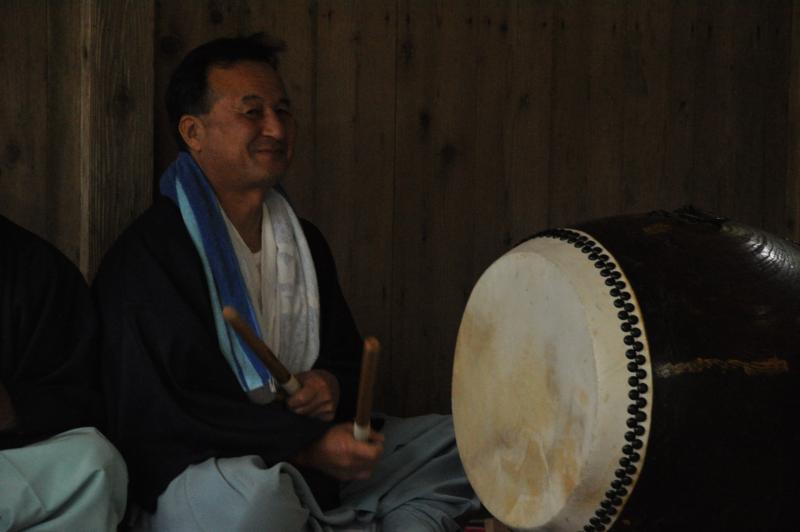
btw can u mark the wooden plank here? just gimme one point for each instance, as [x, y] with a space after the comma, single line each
[742, 192]
[353, 182]
[433, 220]
[23, 114]
[62, 201]
[568, 192]
[607, 104]
[674, 187]
[647, 35]
[774, 55]
[117, 159]
[532, 79]
[713, 119]
[792, 209]
[494, 108]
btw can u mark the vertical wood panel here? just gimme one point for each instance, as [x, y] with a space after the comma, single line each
[355, 118]
[647, 31]
[774, 55]
[434, 223]
[64, 92]
[792, 210]
[569, 200]
[742, 189]
[118, 130]
[675, 187]
[530, 120]
[23, 113]
[714, 113]
[493, 141]
[608, 100]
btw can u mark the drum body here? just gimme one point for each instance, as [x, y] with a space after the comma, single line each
[635, 373]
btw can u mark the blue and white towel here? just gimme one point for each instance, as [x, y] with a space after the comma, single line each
[296, 299]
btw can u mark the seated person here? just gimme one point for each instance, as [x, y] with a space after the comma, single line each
[57, 472]
[194, 411]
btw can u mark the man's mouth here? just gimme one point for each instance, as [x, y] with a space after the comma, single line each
[274, 150]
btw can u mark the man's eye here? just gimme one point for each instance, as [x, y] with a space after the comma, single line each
[254, 112]
[283, 111]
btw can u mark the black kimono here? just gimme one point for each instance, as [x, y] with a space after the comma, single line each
[173, 400]
[48, 333]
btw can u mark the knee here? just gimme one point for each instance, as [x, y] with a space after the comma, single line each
[95, 457]
[99, 454]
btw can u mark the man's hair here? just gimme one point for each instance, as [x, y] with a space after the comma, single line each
[187, 92]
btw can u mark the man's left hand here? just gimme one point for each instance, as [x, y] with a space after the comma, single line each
[318, 397]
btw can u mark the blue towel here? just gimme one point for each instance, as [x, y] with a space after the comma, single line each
[185, 183]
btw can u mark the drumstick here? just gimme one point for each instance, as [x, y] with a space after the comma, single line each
[369, 363]
[287, 381]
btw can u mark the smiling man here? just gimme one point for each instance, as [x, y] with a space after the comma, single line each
[210, 445]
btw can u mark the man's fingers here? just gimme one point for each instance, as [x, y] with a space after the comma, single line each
[320, 409]
[303, 397]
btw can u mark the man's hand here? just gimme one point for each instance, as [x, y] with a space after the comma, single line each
[8, 417]
[339, 455]
[318, 397]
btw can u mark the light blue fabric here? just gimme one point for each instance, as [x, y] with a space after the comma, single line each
[75, 480]
[419, 485]
[185, 184]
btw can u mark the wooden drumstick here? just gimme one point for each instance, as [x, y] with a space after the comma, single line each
[287, 381]
[369, 364]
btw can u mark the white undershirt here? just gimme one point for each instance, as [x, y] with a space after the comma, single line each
[250, 263]
[281, 283]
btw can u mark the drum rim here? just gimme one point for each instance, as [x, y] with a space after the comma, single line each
[632, 324]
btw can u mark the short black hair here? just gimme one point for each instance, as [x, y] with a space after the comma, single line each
[187, 92]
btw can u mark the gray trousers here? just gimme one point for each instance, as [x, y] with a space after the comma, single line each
[75, 480]
[418, 485]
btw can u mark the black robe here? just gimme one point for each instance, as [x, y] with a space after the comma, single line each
[173, 400]
[48, 340]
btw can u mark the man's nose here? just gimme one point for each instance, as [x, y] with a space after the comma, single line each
[272, 125]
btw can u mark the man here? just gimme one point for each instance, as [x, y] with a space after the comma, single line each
[209, 445]
[57, 472]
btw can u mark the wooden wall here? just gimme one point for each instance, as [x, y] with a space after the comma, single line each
[435, 134]
[75, 120]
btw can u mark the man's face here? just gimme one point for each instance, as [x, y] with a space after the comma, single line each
[249, 132]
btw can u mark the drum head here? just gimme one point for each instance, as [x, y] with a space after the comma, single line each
[541, 385]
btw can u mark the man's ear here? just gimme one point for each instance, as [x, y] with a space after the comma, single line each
[192, 131]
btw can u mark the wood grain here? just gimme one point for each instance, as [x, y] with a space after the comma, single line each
[529, 126]
[117, 132]
[62, 201]
[646, 100]
[792, 209]
[353, 182]
[24, 181]
[569, 172]
[434, 217]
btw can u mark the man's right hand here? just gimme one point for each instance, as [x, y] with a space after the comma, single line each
[339, 455]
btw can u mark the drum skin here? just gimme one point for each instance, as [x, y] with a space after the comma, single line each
[721, 304]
